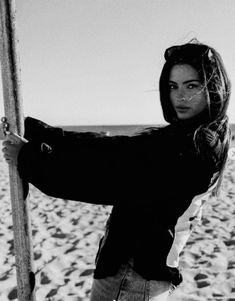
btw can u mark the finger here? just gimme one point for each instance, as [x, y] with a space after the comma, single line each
[7, 151]
[8, 161]
[9, 148]
[14, 138]
[4, 150]
[6, 143]
[7, 157]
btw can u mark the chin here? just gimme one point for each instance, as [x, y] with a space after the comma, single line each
[184, 116]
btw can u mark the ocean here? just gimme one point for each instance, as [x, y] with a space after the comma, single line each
[110, 129]
[121, 129]
[117, 129]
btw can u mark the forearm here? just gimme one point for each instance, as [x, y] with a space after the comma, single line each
[40, 132]
[65, 175]
[87, 167]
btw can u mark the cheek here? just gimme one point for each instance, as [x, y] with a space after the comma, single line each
[172, 97]
[201, 104]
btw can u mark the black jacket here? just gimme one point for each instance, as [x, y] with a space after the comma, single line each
[149, 178]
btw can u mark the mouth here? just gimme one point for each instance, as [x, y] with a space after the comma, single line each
[182, 108]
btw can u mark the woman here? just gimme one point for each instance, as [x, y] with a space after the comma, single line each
[156, 180]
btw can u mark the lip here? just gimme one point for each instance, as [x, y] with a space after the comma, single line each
[182, 108]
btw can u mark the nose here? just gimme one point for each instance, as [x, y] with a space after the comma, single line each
[181, 95]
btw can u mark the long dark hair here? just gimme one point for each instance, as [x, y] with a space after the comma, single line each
[212, 135]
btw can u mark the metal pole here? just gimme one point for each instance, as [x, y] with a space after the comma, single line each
[14, 114]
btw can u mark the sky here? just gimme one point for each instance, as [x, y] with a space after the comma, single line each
[96, 62]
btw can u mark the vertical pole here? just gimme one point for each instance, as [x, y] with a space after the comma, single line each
[14, 113]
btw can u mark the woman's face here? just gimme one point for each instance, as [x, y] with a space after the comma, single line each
[187, 94]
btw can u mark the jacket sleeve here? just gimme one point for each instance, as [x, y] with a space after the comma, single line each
[86, 167]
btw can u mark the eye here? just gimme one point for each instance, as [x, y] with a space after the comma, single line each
[172, 86]
[193, 86]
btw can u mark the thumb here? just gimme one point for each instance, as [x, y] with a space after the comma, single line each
[15, 138]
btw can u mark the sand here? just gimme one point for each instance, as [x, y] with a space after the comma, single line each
[66, 236]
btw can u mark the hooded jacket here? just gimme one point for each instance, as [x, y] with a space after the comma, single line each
[152, 180]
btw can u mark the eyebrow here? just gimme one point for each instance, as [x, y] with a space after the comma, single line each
[187, 81]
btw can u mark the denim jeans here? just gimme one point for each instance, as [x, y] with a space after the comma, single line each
[127, 285]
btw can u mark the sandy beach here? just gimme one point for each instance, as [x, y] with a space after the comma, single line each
[66, 236]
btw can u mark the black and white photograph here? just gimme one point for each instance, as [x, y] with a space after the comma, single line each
[117, 161]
